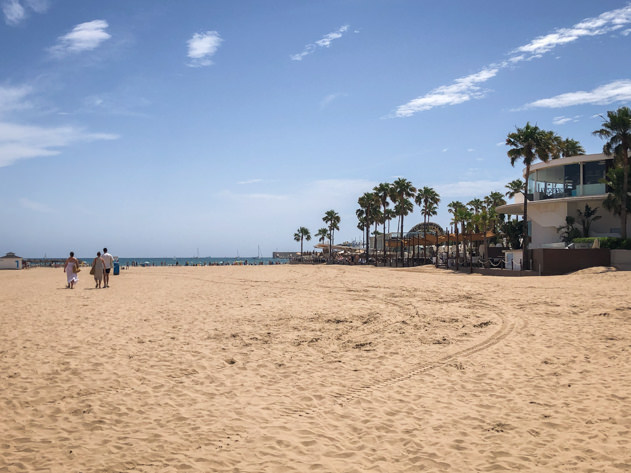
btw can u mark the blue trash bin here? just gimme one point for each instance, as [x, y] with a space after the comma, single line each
[117, 268]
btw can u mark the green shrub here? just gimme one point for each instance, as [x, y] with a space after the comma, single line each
[607, 242]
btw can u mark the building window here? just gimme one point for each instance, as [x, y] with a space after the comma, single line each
[593, 172]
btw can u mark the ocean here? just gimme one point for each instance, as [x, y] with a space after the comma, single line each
[192, 261]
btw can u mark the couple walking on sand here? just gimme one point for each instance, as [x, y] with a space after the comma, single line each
[101, 267]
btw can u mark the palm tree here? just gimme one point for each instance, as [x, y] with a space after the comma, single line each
[528, 144]
[332, 219]
[570, 147]
[427, 199]
[402, 192]
[302, 234]
[455, 208]
[515, 187]
[587, 217]
[322, 234]
[368, 210]
[494, 199]
[476, 205]
[617, 129]
[613, 181]
[383, 194]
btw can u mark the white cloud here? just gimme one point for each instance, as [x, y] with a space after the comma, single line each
[470, 150]
[324, 42]
[24, 142]
[563, 120]
[201, 47]
[36, 206]
[462, 90]
[250, 181]
[468, 87]
[83, 37]
[617, 91]
[12, 98]
[15, 10]
[607, 22]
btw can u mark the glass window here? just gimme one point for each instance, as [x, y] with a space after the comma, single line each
[593, 172]
[572, 179]
[550, 183]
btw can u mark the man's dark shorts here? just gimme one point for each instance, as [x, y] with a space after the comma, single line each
[107, 270]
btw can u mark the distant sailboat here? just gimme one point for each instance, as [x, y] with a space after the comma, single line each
[258, 255]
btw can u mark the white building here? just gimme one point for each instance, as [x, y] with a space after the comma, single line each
[10, 261]
[560, 188]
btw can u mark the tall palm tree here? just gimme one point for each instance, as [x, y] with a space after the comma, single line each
[529, 144]
[368, 210]
[332, 219]
[402, 192]
[617, 130]
[383, 193]
[427, 199]
[455, 208]
[302, 234]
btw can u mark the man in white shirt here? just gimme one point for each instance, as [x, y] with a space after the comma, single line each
[109, 262]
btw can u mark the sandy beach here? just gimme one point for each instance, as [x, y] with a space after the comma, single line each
[315, 369]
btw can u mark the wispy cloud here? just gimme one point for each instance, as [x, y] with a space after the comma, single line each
[35, 206]
[201, 47]
[462, 90]
[15, 11]
[13, 98]
[24, 142]
[324, 42]
[606, 22]
[469, 87]
[617, 91]
[330, 98]
[83, 37]
[563, 120]
[250, 181]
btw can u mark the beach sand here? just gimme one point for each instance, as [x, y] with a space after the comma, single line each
[315, 369]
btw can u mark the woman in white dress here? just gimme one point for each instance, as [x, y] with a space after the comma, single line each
[70, 268]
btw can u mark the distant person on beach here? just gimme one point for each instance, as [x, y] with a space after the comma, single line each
[109, 261]
[71, 269]
[98, 265]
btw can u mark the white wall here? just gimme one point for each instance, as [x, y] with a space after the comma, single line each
[10, 263]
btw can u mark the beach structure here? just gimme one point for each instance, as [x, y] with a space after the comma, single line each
[559, 188]
[562, 188]
[10, 261]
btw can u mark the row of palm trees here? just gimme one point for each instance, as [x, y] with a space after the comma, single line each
[527, 144]
[332, 220]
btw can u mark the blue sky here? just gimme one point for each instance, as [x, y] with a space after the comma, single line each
[157, 128]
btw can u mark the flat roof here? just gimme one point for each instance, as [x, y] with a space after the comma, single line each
[581, 158]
